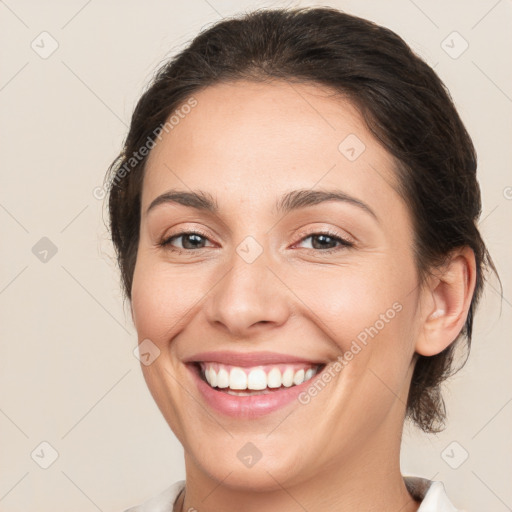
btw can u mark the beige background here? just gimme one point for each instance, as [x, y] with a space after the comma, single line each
[68, 374]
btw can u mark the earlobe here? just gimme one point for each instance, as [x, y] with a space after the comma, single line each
[449, 297]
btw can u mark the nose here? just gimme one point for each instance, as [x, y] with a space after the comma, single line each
[248, 299]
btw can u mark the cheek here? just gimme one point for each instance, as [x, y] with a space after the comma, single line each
[162, 300]
[369, 313]
[357, 303]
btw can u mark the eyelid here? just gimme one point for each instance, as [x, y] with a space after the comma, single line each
[342, 242]
[346, 237]
[165, 239]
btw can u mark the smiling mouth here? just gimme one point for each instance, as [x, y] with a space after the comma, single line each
[256, 380]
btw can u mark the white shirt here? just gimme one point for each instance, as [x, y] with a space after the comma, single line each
[431, 493]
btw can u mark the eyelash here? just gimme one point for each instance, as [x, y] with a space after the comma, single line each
[343, 243]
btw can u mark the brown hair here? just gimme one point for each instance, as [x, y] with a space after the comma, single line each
[403, 102]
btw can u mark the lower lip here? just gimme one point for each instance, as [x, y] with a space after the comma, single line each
[248, 407]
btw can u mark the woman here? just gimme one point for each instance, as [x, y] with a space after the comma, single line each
[294, 214]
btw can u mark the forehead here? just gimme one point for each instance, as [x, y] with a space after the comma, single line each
[263, 139]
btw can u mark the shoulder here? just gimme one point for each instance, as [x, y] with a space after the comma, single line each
[431, 493]
[162, 502]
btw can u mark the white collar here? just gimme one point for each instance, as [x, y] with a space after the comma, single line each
[431, 494]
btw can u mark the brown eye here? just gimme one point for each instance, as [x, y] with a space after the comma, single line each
[326, 242]
[190, 240]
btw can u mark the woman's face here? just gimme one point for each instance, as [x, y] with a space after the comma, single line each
[276, 283]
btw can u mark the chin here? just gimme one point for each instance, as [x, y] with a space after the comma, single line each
[242, 464]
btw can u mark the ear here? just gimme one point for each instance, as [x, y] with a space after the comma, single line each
[445, 302]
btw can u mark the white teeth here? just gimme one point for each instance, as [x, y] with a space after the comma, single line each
[288, 377]
[222, 378]
[274, 378]
[212, 377]
[257, 379]
[298, 378]
[236, 378]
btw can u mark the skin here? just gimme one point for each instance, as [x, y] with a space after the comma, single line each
[247, 144]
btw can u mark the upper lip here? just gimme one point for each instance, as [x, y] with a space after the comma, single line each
[248, 358]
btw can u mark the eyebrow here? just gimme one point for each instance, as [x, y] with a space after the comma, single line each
[290, 201]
